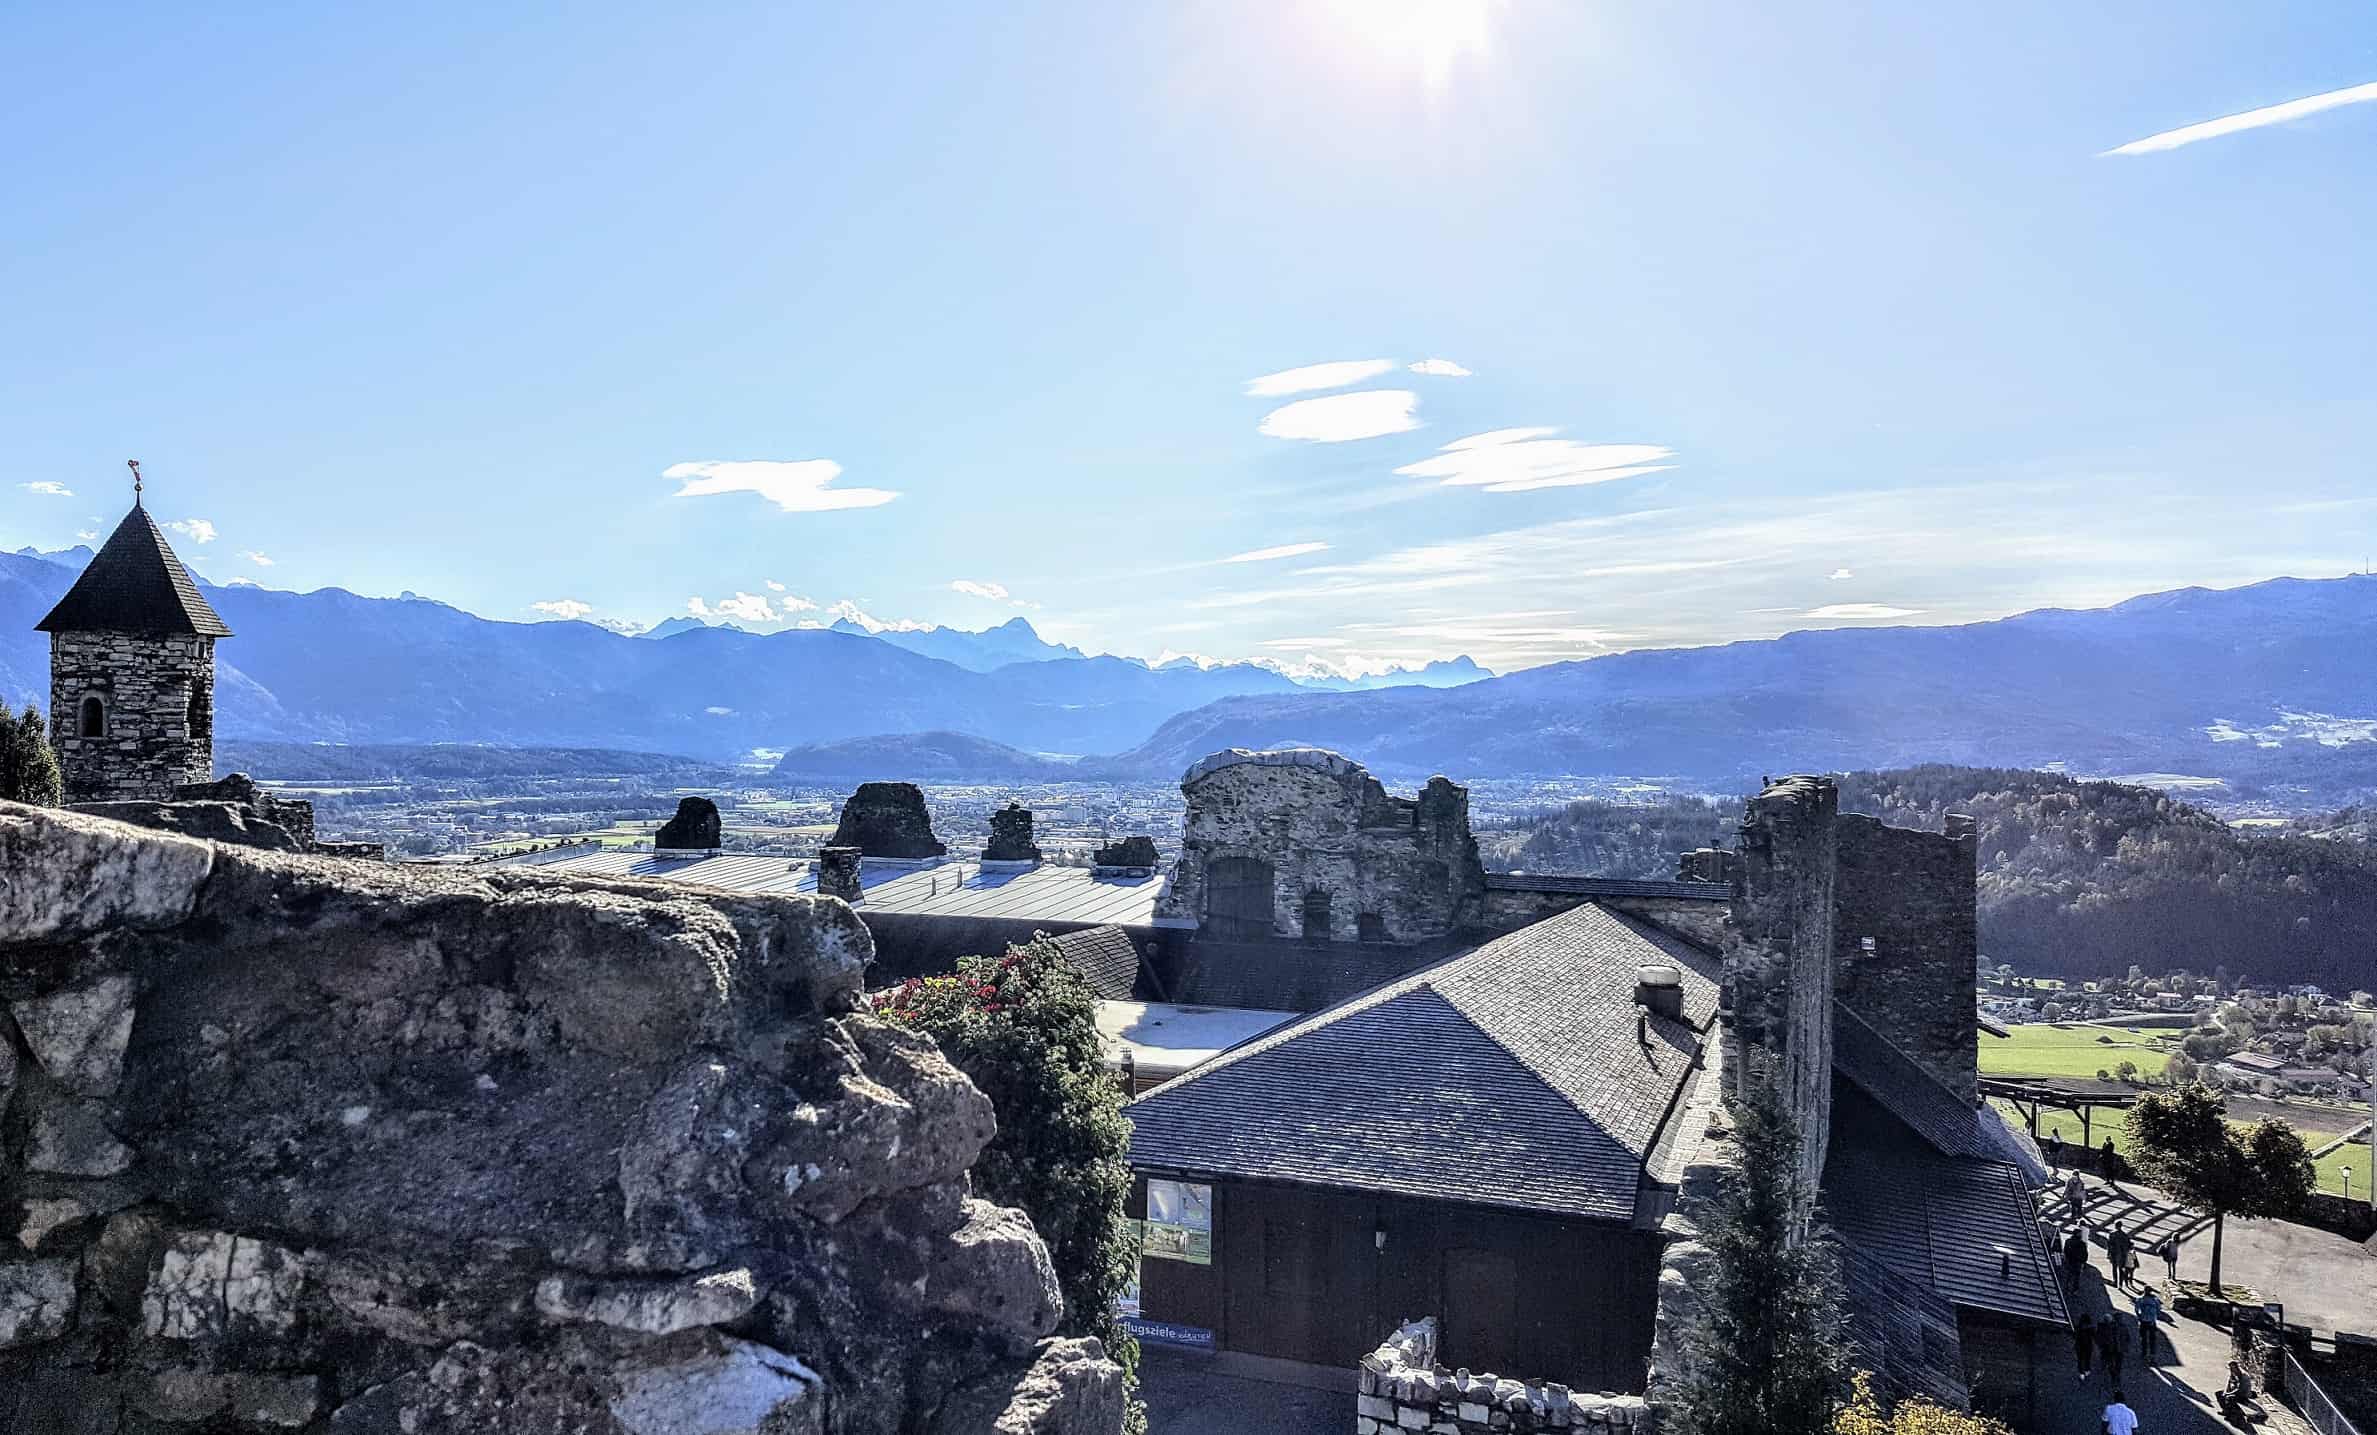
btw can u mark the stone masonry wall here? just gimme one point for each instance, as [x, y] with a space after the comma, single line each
[160, 702]
[1778, 987]
[1696, 919]
[1325, 825]
[1912, 896]
[291, 1144]
[1400, 1387]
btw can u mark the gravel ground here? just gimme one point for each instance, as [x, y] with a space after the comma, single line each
[1185, 1397]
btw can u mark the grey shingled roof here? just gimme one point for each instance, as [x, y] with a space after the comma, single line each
[1910, 1093]
[1964, 1227]
[135, 585]
[1106, 957]
[1507, 1076]
[1608, 886]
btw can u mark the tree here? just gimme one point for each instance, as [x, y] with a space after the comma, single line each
[2181, 1070]
[1024, 1028]
[1863, 1416]
[2183, 1143]
[28, 767]
[2127, 1071]
[1765, 1351]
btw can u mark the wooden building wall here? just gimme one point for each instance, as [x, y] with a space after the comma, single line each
[1298, 1274]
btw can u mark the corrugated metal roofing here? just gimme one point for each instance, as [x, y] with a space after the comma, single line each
[1607, 886]
[1070, 895]
[135, 585]
[1507, 1076]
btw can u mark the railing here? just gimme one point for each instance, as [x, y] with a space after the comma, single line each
[2304, 1394]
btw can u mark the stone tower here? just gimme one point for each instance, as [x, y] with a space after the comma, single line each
[132, 671]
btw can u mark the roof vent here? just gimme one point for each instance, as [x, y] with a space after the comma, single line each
[1659, 990]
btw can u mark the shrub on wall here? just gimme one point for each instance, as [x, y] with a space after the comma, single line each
[1024, 1028]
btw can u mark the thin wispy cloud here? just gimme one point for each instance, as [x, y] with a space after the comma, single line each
[197, 530]
[1859, 612]
[49, 487]
[1521, 460]
[1439, 369]
[1317, 376]
[794, 485]
[995, 592]
[774, 586]
[742, 607]
[1342, 417]
[1284, 550]
[86, 534]
[2262, 118]
[571, 609]
[1841, 574]
[257, 558]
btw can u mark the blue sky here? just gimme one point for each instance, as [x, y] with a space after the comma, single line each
[953, 313]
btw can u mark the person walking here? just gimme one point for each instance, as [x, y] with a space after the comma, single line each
[2111, 1349]
[2149, 1316]
[2119, 1418]
[2083, 1344]
[2075, 1192]
[2121, 1254]
[2075, 1257]
[2054, 1150]
[2169, 1251]
[2115, 1169]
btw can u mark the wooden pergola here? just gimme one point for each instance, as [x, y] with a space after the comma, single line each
[2028, 1097]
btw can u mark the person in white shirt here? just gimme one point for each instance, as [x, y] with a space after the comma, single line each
[2119, 1418]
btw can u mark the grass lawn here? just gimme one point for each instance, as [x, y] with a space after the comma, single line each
[2331, 1169]
[2073, 1051]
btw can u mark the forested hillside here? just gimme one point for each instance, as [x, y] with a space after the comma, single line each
[2077, 879]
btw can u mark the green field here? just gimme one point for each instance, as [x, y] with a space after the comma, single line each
[2331, 1169]
[2073, 1051]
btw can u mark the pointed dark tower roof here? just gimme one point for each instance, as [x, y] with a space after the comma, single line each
[135, 585]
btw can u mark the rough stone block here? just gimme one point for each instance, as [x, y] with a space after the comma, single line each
[212, 1283]
[71, 1138]
[78, 1035]
[651, 1307]
[36, 1301]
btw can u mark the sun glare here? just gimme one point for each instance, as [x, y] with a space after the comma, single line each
[1430, 35]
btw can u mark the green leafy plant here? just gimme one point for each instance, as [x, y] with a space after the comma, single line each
[1024, 1028]
[1863, 1415]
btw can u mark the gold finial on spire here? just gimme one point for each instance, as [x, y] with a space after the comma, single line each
[134, 465]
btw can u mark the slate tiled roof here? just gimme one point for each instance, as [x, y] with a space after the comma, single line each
[1106, 957]
[1910, 1093]
[1507, 1076]
[1607, 886]
[1965, 1227]
[135, 585]
[1905, 1333]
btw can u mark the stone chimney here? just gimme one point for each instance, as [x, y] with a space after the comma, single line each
[1704, 864]
[837, 873]
[1011, 836]
[1659, 990]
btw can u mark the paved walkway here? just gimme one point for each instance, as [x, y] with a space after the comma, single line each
[1185, 1396]
[2171, 1390]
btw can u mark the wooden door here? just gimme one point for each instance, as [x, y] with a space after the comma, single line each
[1481, 1310]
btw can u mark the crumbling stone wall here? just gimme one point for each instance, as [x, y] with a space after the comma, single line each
[1906, 938]
[158, 693]
[1778, 986]
[888, 819]
[300, 1145]
[1400, 1387]
[1384, 868]
[695, 828]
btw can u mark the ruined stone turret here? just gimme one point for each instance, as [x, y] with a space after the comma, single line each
[1011, 836]
[888, 819]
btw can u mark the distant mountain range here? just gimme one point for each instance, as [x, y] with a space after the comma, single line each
[329, 666]
[2266, 686]
[2270, 685]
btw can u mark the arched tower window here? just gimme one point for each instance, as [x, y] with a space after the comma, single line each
[1316, 915]
[94, 719]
